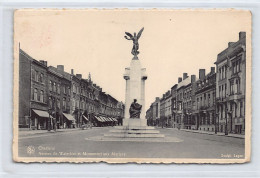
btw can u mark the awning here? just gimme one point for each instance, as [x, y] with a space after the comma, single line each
[69, 117]
[114, 119]
[109, 119]
[103, 118]
[42, 113]
[99, 119]
[85, 118]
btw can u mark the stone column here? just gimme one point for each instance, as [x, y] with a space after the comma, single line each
[144, 77]
[127, 92]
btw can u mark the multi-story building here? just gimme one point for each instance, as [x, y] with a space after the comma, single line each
[156, 111]
[230, 86]
[149, 115]
[168, 109]
[54, 96]
[204, 117]
[188, 101]
[51, 98]
[162, 119]
[174, 105]
[75, 98]
[33, 107]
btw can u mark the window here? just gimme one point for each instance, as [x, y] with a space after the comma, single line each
[232, 87]
[235, 110]
[209, 99]
[50, 102]
[64, 103]
[64, 89]
[219, 89]
[58, 88]
[58, 103]
[54, 87]
[33, 74]
[36, 76]
[69, 90]
[41, 78]
[225, 90]
[38, 96]
[41, 96]
[241, 109]
[35, 94]
[50, 86]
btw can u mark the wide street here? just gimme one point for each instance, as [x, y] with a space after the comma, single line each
[75, 143]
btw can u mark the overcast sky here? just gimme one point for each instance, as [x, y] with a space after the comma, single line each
[93, 41]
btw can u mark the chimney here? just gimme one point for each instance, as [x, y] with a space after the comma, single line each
[185, 75]
[79, 76]
[60, 68]
[43, 62]
[193, 78]
[179, 79]
[72, 71]
[212, 70]
[242, 35]
[201, 74]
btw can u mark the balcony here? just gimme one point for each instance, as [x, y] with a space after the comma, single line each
[236, 96]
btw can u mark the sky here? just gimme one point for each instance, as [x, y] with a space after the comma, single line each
[173, 42]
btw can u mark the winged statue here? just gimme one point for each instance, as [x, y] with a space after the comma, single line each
[135, 39]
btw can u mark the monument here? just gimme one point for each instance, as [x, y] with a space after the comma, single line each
[134, 122]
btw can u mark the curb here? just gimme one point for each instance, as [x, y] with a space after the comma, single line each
[213, 134]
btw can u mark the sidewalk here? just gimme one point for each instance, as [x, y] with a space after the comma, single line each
[213, 133]
[34, 132]
[210, 133]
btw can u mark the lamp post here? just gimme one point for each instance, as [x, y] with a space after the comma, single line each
[216, 125]
[226, 127]
[49, 119]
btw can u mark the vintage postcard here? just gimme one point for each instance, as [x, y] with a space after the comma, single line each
[122, 86]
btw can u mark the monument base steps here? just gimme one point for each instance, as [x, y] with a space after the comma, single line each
[134, 128]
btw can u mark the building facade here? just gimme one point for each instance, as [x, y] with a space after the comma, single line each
[230, 86]
[174, 105]
[204, 115]
[50, 98]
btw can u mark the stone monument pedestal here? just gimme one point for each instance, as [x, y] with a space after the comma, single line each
[132, 122]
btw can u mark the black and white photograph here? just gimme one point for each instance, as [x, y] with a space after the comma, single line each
[132, 86]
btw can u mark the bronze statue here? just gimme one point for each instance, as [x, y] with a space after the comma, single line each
[135, 39]
[135, 110]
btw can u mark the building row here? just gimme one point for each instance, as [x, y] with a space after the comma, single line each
[213, 101]
[51, 97]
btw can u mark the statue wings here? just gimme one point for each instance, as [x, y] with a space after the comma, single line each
[140, 33]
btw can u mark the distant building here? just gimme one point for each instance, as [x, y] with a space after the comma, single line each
[168, 109]
[231, 85]
[162, 120]
[174, 105]
[204, 117]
